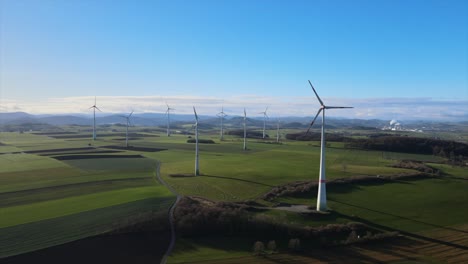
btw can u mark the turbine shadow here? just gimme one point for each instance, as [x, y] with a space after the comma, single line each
[236, 179]
[405, 233]
[457, 178]
[401, 217]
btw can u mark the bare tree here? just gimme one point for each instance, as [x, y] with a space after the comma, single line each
[271, 245]
[294, 244]
[258, 248]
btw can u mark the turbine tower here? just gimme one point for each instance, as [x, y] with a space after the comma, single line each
[94, 117]
[126, 131]
[322, 192]
[277, 131]
[245, 130]
[221, 116]
[265, 116]
[197, 171]
[168, 121]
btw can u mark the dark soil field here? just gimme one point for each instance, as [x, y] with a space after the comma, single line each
[41, 151]
[70, 136]
[147, 247]
[133, 148]
[77, 157]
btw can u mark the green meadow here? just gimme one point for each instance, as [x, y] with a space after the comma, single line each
[57, 190]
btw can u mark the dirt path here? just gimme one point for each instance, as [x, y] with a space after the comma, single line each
[171, 213]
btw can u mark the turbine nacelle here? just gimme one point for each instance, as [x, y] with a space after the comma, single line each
[322, 107]
[94, 106]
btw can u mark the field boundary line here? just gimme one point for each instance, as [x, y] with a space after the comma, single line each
[171, 213]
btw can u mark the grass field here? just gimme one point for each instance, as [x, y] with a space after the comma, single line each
[408, 206]
[49, 201]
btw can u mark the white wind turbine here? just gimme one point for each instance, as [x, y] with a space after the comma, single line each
[322, 192]
[168, 120]
[94, 117]
[221, 116]
[265, 117]
[277, 131]
[245, 130]
[126, 131]
[197, 171]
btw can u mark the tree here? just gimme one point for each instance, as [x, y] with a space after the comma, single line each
[258, 248]
[344, 166]
[271, 245]
[294, 244]
[353, 237]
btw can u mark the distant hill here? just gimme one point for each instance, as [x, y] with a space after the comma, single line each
[206, 122]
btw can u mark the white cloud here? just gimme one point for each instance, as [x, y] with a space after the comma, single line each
[366, 108]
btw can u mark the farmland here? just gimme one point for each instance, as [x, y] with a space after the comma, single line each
[59, 188]
[50, 200]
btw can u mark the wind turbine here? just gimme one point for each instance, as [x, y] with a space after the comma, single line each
[221, 116]
[94, 117]
[126, 131]
[197, 171]
[277, 131]
[322, 192]
[245, 130]
[168, 121]
[265, 116]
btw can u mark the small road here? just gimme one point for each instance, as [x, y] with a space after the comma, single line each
[171, 213]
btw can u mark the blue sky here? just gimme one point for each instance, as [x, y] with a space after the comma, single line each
[260, 51]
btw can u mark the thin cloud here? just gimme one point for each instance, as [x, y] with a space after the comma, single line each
[365, 108]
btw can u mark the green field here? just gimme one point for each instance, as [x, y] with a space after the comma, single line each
[66, 189]
[47, 201]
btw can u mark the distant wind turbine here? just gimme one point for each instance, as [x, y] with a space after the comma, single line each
[197, 171]
[126, 131]
[322, 193]
[94, 107]
[221, 116]
[265, 117]
[277, 131]
[168, 120]
[245, 130]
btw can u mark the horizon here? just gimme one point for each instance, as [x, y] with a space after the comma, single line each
[366, 109]
[389, 60]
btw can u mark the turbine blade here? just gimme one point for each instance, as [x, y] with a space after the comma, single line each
[320, 110]
[245, 114]
[195, 111]
[130, 114]
[337, 107]
[98, 108]
[320, 100]
[266, 109]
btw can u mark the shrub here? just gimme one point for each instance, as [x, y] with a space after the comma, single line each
[294, 244]
[259, 248]
[201, 141]
[271, 246]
